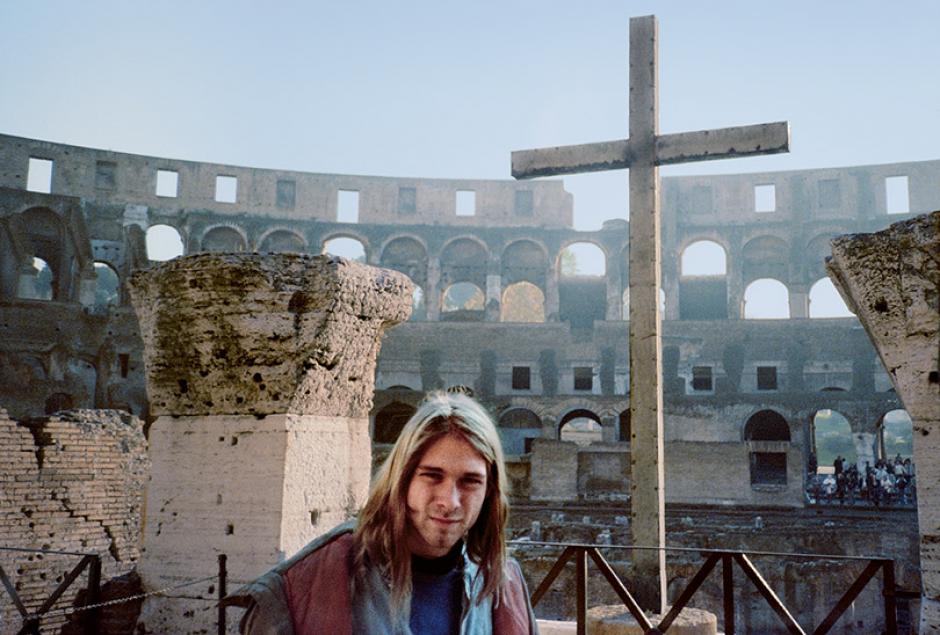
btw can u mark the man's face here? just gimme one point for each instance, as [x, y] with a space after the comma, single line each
[445, 496]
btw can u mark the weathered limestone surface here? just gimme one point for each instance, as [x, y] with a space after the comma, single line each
[891, 279]
[255, 335]
[261, 371]
[71, 482]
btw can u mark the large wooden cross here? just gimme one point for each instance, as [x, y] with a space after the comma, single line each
[643, 153]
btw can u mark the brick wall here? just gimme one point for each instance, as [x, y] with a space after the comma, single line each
[70, 482]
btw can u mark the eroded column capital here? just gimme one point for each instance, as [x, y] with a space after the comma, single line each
[264, 334]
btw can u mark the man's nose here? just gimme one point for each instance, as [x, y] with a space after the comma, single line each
[448, 495]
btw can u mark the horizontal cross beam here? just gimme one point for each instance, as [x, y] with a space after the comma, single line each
[683, 147]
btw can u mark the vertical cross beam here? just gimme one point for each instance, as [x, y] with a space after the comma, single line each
[647, 501]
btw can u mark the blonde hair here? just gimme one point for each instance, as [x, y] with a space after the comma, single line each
[383, 522]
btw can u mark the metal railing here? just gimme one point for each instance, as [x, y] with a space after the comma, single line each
[31, 621]
[90, 610]
[580, 553]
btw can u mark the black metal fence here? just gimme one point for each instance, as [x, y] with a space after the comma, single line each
[581, 553]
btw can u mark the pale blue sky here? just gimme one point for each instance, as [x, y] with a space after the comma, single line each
[439, 89]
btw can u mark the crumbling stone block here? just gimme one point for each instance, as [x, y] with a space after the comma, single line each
[891, 280]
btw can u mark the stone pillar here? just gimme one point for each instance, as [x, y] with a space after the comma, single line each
[494, 291]
[552, 302]
[26, 281]
[734, 281]
[890, 280]
[614, 297]
[799, 301]
[432, 291]
[260, 374]
[87, 285]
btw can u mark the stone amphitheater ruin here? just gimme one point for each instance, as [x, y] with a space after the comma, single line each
[755, 409]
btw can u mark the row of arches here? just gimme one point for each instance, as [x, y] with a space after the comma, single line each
[766, 432]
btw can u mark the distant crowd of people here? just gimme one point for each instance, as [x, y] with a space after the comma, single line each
[887, 482]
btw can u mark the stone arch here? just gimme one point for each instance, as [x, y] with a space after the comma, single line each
[224, 238]
[895, 435]
[767, 434]
[815, 253]
[40, 285]
[703, 257]
[347, 247]
[107, 285]
[831, 437]
[463, 302]
[582, 426]
[282, 240]
[522, 302]
[766, 299]
[164, 242]
[582, 284]
[44, 239]
[464, 259]
[585, 259]
[765, 257]
[766, 425]
[517, 427]
[703, 281]
[524, 260]
[407, 254]
[825, 301]
[390, 420]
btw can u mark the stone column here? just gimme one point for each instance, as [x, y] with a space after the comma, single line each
[614, 297]
[799, 301]
[260, 375]
[552, 302]
[432, 291]
[494, 290]
[890, 280]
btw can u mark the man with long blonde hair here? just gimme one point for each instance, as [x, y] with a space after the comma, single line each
[427, 555]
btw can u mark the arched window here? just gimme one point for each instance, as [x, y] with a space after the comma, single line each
[766, 299]
[516, 429]
[39, 285]
[462, 301]
[223, 240]
[522, 302]
[524, 260]
[703, 287]
[107, 285]
[832, 437]
[163, 243]
[407, 255]
[283, 241]
[764, 432]
[582, 259]
[897, 435]
[825, 301]
[582, 427]
[703, 258]
[390, 420]
[348, 248]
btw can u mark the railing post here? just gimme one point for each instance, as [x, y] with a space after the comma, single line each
[891, 606]
[223, 591]
[92, 595]
[582, 591]
[727, 588]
